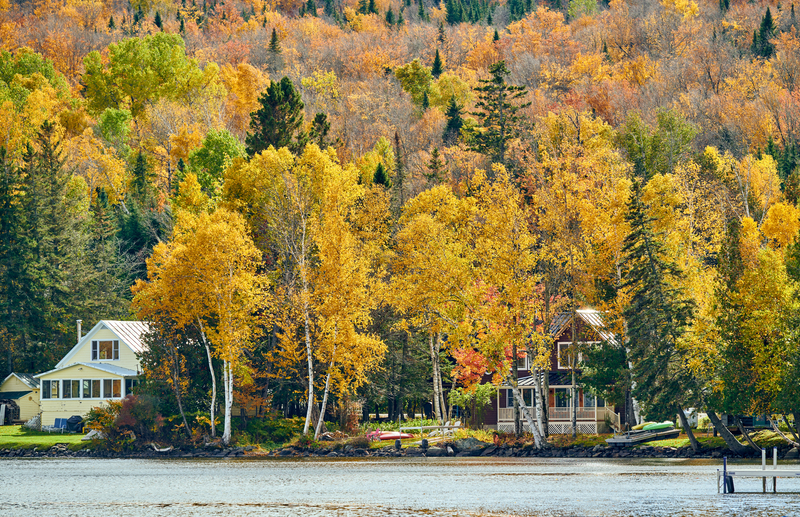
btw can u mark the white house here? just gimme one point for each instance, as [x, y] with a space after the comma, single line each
[102, 366]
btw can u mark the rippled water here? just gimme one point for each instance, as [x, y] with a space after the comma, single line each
[383, 487]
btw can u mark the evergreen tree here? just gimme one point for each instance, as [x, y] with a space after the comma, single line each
[371, 9]
[762, 46]
[182, 29]
[380, 177]
[435, 168]
[426, 103]
[436, 69]
[362, 7]
[441, 37]
[496, 36]
[499, 104]
[141, 180]
[320, 127]
[157, 21]
[279, 120]
[400, 19]
[275, 43]
[390, 17]
[329, 7]
[657, 316]
[421, 12]
[111, 25]
[452, 130]
[311, 7]
[490, 21]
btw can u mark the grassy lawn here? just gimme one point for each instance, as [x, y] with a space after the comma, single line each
[13, 437]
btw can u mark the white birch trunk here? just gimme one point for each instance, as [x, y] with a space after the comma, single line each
[213, 378]
[442, 402]
[227, 375]
[327, 388]
[310, 366]
[435, 362]
[539, 402]
[537, 435]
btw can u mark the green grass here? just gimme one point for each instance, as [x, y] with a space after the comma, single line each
[14, 437]
[708, 442]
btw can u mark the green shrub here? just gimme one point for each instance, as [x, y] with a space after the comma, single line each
[274, 429]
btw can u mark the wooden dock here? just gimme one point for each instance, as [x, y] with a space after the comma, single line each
[726, 476]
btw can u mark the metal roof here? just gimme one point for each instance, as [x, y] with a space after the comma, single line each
[591, 317]
[13, 395]
[26, 378]
[104, 367]
[130, 332]
[553, 378]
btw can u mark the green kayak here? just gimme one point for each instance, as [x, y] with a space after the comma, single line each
[658, 427]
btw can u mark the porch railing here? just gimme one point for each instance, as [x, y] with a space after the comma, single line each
[565, 414]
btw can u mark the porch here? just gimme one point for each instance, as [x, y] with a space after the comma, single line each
[590, 420]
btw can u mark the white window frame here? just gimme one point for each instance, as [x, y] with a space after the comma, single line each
[580, 355]
[114, 350]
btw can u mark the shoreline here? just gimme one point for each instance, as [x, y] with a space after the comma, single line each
[450, 449]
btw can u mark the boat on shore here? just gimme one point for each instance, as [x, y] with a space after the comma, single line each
[648, 433]
[388, 435]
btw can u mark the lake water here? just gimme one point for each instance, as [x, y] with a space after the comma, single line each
[383, 487]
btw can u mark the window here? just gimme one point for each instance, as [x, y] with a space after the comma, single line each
[91, 388]
[589, 400]
[562, 397]
[527, 396]
[112, 388]
[130, 384]
[72, 389]
[522, 362]
[46, 390]
[105, 350]
[509, 398]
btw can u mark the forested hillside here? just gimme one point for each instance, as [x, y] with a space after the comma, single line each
[381, 199]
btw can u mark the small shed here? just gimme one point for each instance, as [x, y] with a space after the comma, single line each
[23, 390]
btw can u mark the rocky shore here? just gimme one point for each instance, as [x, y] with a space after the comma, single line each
[458, 448]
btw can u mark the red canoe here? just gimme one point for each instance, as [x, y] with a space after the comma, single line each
[387, 435]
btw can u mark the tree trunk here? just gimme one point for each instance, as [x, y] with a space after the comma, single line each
[730, 440]
[796, 417]
[310, 356]
[515, 375]
[434, 362]
[744, 433]
[791, 429]
[321, 421]
[227, 374]
[688, 429]
[573, 394]
[775, 427]
[537, 436]
[213, 379]
[546, 405]
[539, 403]
[442, 402]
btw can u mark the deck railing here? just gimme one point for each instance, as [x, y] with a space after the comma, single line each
[565, 414]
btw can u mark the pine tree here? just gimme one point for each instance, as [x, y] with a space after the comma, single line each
[182, 29]
[452, 130]
[275, 43]
[761, 46]
[380, 177]
[657, 316]
[436, 69]
[496, 36]
[329, 7]
[371, 9]
[279, 120]
[436, 168]
[390, 17]
[400, 19]
[421, 12]
[311, 8]
[320, 127]
[426, 103]
[157, 21]
[141, 180]
[490, 20]
[499, 104]
[441, 37]
[111, 25]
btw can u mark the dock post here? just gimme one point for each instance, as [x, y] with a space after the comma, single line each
[724, 474]
[774, 467]
[764, 467]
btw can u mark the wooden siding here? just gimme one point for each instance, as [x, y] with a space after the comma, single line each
[127, 358]
[28, 404]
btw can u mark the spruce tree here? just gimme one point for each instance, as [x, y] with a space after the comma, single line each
[380, 177]
[441, 37]
[499, 104]
[426, 103]
[311, 8]
[275, 43]
[421, 12]
[496, 36]
[657, 315]
[435, 168]
[111, 25]
[320, 127]
[278, 122]
[436, 69]
[371, 9]
[328, 7]
[182, 28]
[390, 17]
[452, 130]
[157, 21]
[400, 19]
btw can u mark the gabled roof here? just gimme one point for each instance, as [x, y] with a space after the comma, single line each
[103, 367]
[129, 332]
[26, 378]
[591, 317]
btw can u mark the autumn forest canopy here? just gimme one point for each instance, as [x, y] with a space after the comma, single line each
[328, 201]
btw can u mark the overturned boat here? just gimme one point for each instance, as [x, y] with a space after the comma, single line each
[648, 433]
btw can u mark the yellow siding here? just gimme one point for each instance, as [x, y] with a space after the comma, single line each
[127, 359]
[29, 404]
[65, 408]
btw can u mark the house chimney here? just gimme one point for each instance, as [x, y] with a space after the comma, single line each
[79, 329]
